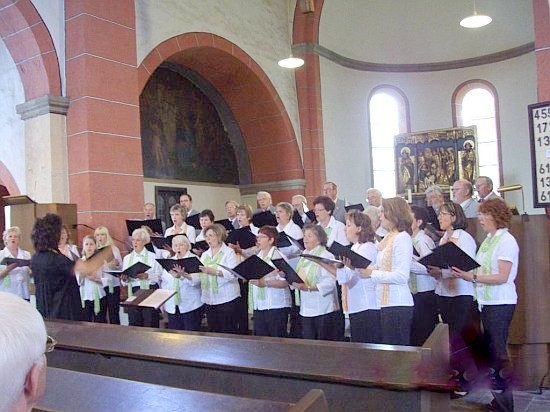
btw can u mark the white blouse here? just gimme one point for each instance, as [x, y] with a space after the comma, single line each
[336, 231]
[89, 287]
[392, 287]
[294, 231]
[324, 300]
[189, 290]
[270, 298]
[448, 285]
[507, 249]
[420, 278]
[189, 232]
[148, 258]
[361, 292]
[106, 278]
[228, 285]
[17, 280]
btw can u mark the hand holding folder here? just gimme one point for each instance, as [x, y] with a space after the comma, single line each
[252, 268]
[132, 272]
[449, 255]
[189, 265]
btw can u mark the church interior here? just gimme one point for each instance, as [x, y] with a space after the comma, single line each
[108, 105]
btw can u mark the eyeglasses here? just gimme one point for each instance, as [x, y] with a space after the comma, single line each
[50, 344]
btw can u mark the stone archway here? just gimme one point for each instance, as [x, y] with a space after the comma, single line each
[254, 102]
[31, 47]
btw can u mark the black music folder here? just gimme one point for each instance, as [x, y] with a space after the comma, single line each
[148, 298]
[243, 236]
[449, 255]
[290, 274]
[193, 220]
[189, 265]
[264, 219]
[19, 262]
[160, 242]
[252, 268]
[320, 259]
[131, 271]
[154, 224]
[226, 223]
[358, 206]
[357, 261]
[287, 241]
[201, 245]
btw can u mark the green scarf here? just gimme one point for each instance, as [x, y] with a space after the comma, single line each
[211, 281]
[488, 249]
[413, 281]
[143, 283]
[307, 271]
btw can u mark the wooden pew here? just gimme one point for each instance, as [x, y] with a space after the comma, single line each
[353, 376]
[83, 392]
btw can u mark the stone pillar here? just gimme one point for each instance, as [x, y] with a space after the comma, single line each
[46, 163]
[103, 124]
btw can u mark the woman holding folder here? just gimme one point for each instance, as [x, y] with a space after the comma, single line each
[269, 296]
[178, 214]
[92, 293]
[111, 283]
[390, 272]
[455, 296]
[319, 307]
[185, 309]
[14, 278]
[494, 282]
[220, 289]
[146, 280]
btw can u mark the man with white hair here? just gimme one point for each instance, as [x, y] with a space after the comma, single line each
[434, 200]
[264, 202]
[463, 194]
[374, 197]
[23, 341]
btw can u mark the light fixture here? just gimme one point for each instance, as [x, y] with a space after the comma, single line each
[513, 188]
[475, 20]
[291, 62]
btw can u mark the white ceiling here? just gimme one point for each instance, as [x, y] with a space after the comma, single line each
[422, 31]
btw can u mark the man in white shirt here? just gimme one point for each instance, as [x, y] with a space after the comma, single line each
[149, 211]
[484, 188]
[374, 197]
[231, 211]
[462, 194]
[331, 190]
[299, 203]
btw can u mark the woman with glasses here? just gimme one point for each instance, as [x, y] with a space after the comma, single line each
[455, 295]
[390, 273]
[269, 296]
[283, 214]
[494, 282]
[335, 230]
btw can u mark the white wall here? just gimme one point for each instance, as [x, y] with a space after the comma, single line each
[53, 14]
[345, 118]
[259, 27]
[12, 128]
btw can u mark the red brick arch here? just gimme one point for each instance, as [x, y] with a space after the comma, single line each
[256, 105]
[7, 180]
[31, 47]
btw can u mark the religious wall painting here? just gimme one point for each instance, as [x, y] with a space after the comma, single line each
[182, 135]
[435, 157]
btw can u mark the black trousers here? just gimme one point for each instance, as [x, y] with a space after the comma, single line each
[271, 322]
[458, 312]
[224, 318]
[148, 317]
[89, 314]
[243, 309]
[395, 325]
[323, 327]
[365, 326]
[186, 321]
[295, 320]
[113, 305]
[424, 317]
[496, 323]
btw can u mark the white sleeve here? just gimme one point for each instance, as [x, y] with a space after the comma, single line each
[191, 234]
[401, 262]
[325, 282]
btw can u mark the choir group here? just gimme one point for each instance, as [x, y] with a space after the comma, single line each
[393, 298]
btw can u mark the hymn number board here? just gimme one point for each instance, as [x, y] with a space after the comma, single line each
[539, 128]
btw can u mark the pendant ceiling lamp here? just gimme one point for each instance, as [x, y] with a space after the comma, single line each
[475, 20]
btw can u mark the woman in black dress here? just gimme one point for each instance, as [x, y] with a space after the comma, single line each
[57, 291]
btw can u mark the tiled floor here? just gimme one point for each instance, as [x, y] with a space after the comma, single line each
[523, 401]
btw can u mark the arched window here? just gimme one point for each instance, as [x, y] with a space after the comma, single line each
[388, 116]
[476, 103]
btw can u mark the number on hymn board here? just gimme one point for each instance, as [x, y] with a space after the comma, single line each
[544, 196]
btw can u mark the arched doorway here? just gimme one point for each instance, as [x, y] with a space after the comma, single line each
[259, 113]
